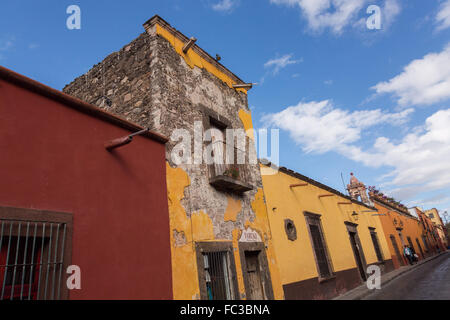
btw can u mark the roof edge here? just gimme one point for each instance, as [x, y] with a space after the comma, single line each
[316, 183]
[156, 19]
[74, 103]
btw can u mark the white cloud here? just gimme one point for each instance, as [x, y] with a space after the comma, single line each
[338, 14]
[419, 162]
[319, 127]
[280, 63]
[431, 201]
[328, 82]
[421, 159]
[390, 11]
[443, 16]
[224, 5]
[423, 82]
[5, 45]
[322, 14]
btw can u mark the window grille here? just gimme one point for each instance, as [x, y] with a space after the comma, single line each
[397, 251]
[424, 239]
[31, 259]
[376, 245]
[420, 248]
[319, 248]
[410, 243]
[217, 276]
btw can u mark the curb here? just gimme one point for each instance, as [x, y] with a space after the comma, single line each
[367, 292]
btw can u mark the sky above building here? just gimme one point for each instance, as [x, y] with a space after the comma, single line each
[346, 98]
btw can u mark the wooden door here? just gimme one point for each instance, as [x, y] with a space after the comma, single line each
[256, 291]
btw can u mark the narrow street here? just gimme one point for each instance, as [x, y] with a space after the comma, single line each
[430, 281]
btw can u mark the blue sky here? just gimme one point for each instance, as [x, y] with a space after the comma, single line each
[346, 98]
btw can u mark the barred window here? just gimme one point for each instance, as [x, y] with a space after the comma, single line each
[218, 284]
[410, 243]
[397, 251]
[420, 248]
[376, 244]
[33, 255]
[319, 246]
[427, 248]
[216, 271]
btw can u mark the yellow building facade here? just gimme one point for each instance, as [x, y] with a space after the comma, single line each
[324, 240]
[433, 214]
[220, 239]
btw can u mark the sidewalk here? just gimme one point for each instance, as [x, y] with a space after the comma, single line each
[362, 291]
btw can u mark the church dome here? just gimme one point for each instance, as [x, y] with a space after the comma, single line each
[353, 179]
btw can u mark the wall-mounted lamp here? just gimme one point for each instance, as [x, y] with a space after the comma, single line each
[189, 44]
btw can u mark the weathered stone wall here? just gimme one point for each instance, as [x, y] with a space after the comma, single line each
[149, 83]
[123, 78]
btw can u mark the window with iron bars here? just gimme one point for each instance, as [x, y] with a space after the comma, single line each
[376, 244]
[216, 271]
[323, 263]
[217, 276]
[427, 248]
[33, 257]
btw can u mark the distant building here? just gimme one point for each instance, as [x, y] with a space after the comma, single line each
[401, 226]
[435, 217]
[429, 231]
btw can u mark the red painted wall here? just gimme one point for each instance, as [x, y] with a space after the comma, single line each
[53, 158]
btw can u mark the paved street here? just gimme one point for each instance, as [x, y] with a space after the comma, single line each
[430, 281]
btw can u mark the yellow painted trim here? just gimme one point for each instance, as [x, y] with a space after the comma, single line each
[193, 59]
[246, 119]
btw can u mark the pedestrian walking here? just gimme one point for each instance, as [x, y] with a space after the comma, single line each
[414, 254]
[408, 254]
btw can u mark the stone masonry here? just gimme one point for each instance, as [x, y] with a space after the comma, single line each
[149, 83]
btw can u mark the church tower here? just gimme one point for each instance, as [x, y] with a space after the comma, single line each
[357, 190]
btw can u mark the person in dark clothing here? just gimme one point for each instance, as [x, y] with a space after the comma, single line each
[408, 254]
[414, 254]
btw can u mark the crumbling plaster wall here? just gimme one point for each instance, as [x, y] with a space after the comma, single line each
[149, 83]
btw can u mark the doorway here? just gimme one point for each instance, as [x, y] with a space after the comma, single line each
[357, 250]
[397, 251]
[357, 253]
[255, 270]
[255, 291]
